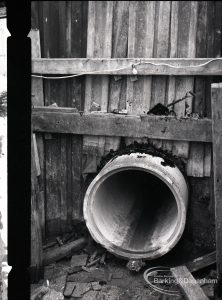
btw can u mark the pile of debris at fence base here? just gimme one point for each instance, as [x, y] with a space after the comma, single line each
[78, 268]
[147, 148]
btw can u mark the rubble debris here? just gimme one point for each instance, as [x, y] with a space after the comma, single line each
[53, 105]
[159, 109]
[53, 295]
[111, 292]
[92, 263]
[117, 275]
[102, 259]
[68, 236]
[168, 158]
[110, 276]
[93, 256]
[75, 269]
[80, 289]
[59, 241]
[86, 269]
[95, 107]
[92, 276]
[79, 260]
[120, 112]
[135, 264]
[39, 293]
[55, 254]
[96, 286]
[90, 295]
[69, 288]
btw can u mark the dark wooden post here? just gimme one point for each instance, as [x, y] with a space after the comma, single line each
[216, 91]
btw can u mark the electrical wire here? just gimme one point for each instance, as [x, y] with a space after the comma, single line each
[128, 67]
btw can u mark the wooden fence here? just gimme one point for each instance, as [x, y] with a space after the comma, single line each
[106, 36]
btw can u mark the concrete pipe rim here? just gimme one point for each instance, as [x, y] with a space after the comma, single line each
[165, 177]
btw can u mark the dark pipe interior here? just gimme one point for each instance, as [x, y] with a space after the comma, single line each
[135, 210]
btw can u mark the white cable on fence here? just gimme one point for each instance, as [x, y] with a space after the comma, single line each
[128, 67]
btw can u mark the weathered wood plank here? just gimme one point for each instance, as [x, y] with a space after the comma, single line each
[77, 39]
[117, 88]
[188, 284]
[37, 84]
[36, 265]
[159, 127]
[186, 47]
[53, 91]
[66, 250]
[201, 262]
[171, 88]
[211, 51]
[99, 44]
[161, 49]
[36, 156]
[195, 164]
[38, 99]
[146, 66]
[140, 44]
[217, 163]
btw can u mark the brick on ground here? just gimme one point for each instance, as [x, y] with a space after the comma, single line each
[79, 260]
[80, 289]
[69, 288]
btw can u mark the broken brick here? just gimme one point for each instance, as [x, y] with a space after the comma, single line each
[79, 260]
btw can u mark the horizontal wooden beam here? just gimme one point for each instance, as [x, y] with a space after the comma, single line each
[123, 66]
[60, 120]
[202, 262]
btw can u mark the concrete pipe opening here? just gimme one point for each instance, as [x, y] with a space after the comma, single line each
[136, 207]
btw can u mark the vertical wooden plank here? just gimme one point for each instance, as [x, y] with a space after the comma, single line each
[36, 265]
[140, 44]
[66, 19]
[51, 203]
[163, 10]
[65, 161]
[213, 50]
[99, 44]
[38, 100]
[195, 164]
[210, 53]
[35, 14]
[117, 88]
[187, 22]
[37, 85]
[217, 164]
[171, 88]
[76, 37]
[54, 27]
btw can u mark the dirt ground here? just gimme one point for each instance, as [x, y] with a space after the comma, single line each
[111, 280]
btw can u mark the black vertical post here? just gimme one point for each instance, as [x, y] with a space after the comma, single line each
[19, 109]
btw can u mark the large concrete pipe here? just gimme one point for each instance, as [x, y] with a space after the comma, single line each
[136, 206]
